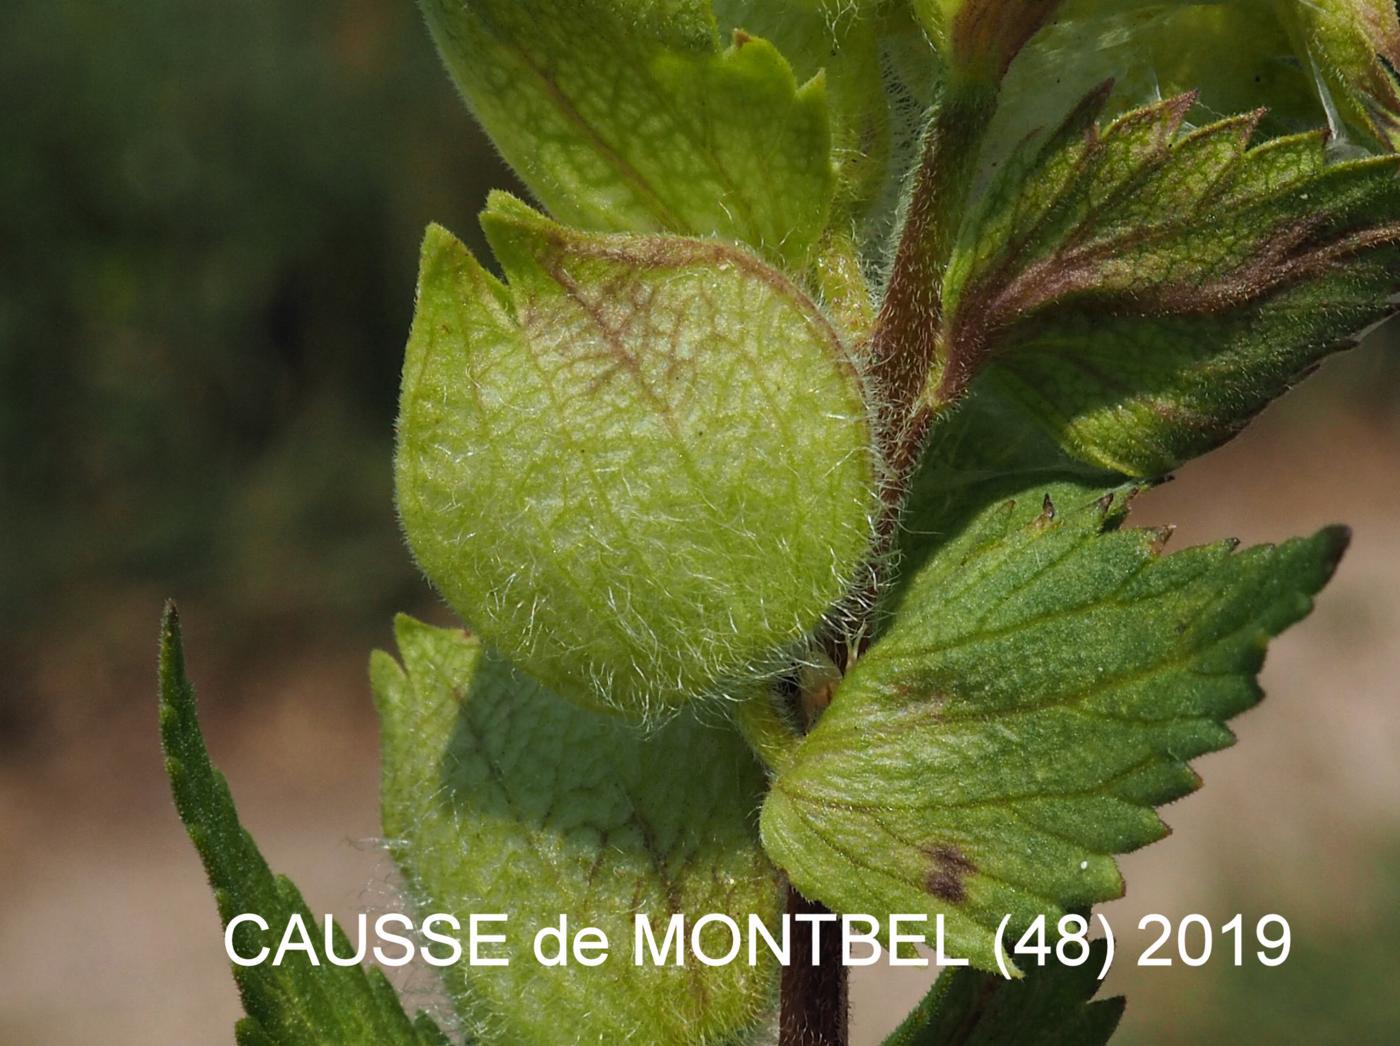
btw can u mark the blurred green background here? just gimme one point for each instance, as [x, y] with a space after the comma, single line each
[209, 218]
[210, 221]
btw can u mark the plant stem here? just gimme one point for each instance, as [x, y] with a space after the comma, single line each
[904, 347]
[904, 352]
[814, 986]
[905, 344]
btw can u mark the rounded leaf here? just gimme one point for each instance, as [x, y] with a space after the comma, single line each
[643, 469]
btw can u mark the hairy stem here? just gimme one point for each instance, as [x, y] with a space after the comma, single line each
[814, 985]
[813, 1010]
[905, 346]
[904, 350]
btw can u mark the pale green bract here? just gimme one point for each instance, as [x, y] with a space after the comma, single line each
[1143, 291]
[1040, 689]
[643, 469]
[632, 116]
[841, 41]
[500, 798]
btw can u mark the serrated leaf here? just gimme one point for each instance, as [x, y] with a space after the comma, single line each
[1048, 1007]
[841, 41]
[642, 470]
[294, 1003]
[499, 797]
[1042, 685]
[1144, 291]
[633, 117]
[1235, 55]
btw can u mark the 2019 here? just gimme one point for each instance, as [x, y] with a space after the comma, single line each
[1194, 938]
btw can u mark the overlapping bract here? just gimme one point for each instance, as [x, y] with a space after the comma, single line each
[500, 797]
[636, 117]
[643, 469]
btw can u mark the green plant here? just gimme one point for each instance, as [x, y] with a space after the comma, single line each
[811, 420]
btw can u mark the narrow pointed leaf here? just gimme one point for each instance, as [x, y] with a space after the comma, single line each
[1042, 685]
[295, 1003]
[1143, 290]
[499, 797]
[642, 469]
[627, 117]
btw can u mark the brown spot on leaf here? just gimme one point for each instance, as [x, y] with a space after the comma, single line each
[947, 877]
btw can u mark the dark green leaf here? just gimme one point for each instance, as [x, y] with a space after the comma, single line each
[1144, 292]
[1048, 1007]
[294, 1004]
[979, 455]
[1043, 683]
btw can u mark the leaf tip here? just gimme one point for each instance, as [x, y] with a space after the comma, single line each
[1335, 541]
[506, 213]
[436, 236]
[444, 260]
[439, 246]
[174, 694]
[170, 640]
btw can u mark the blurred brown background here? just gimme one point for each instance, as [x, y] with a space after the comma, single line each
[209, 217]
